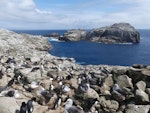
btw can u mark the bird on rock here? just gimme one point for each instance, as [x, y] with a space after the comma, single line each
[69, 108]
[23, 108]
[30, 107]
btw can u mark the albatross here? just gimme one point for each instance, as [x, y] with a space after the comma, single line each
[69, 108]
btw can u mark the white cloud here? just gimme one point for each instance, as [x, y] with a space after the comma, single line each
[24, 14]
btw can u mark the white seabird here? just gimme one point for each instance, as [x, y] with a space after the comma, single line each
[69, 108]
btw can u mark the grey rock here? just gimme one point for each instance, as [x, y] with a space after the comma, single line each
[141, 97]
[8, 105]
[141, 85]
[109, 104]
[117, 33]
[137, 109]
[124, 81]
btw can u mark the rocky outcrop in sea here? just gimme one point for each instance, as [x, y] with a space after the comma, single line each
[116, 33]
[74, 35]
[32, 78]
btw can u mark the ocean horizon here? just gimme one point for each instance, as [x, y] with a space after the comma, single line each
[90, 53]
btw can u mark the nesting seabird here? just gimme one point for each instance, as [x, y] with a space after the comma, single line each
[23, 108]
[34, 85]
[10, 83]
[84, 87]
[69, 108]
[47, 95]
[30, 107]
[57, 102]
[3, 92]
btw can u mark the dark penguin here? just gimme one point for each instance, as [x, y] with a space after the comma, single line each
[10, 83]
[23, 108]
[30, 105]
[57, 102]
[17, 111]
[10, 93]
[47, 95]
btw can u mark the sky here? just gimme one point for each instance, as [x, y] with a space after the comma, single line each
[73, 14]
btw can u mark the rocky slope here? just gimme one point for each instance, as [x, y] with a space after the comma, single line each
[52, 80]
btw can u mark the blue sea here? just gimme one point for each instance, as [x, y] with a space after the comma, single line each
[97, 53]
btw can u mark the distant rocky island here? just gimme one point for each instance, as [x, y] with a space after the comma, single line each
[116, 33]
[29, 73]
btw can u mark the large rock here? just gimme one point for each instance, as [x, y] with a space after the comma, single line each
[137, 109]
[141, 97]
[124, 81]
[8, 105]
[74, 35]
[117, 33]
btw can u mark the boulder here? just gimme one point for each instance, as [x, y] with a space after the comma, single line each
[117, 33]
[141, 97]
[137, 109]
[8, 105]
[124, 81]
[141, 85]
[74, 35]
[108, 104]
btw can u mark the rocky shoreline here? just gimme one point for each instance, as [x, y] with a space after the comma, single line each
[28, 71]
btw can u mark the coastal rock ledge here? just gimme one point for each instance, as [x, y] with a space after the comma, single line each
[116, 33]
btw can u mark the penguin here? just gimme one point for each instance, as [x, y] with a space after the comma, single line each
[47, 95]
[57, 102]
[23, 108]
[10, 83]
[10, 93]
[30, 107]
[17, 111]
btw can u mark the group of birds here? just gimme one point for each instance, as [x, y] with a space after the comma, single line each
[59, 87]
[27, 107]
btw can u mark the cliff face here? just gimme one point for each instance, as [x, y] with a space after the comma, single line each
[117, 33]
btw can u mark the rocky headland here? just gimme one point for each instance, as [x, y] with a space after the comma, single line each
[27, 70]
[116, 33]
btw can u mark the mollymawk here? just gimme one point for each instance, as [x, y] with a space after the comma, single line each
[69, 108]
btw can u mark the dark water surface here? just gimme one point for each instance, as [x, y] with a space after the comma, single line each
[97, 53]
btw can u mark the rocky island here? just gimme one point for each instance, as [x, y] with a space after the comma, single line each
[29, 74]
[116, 33]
